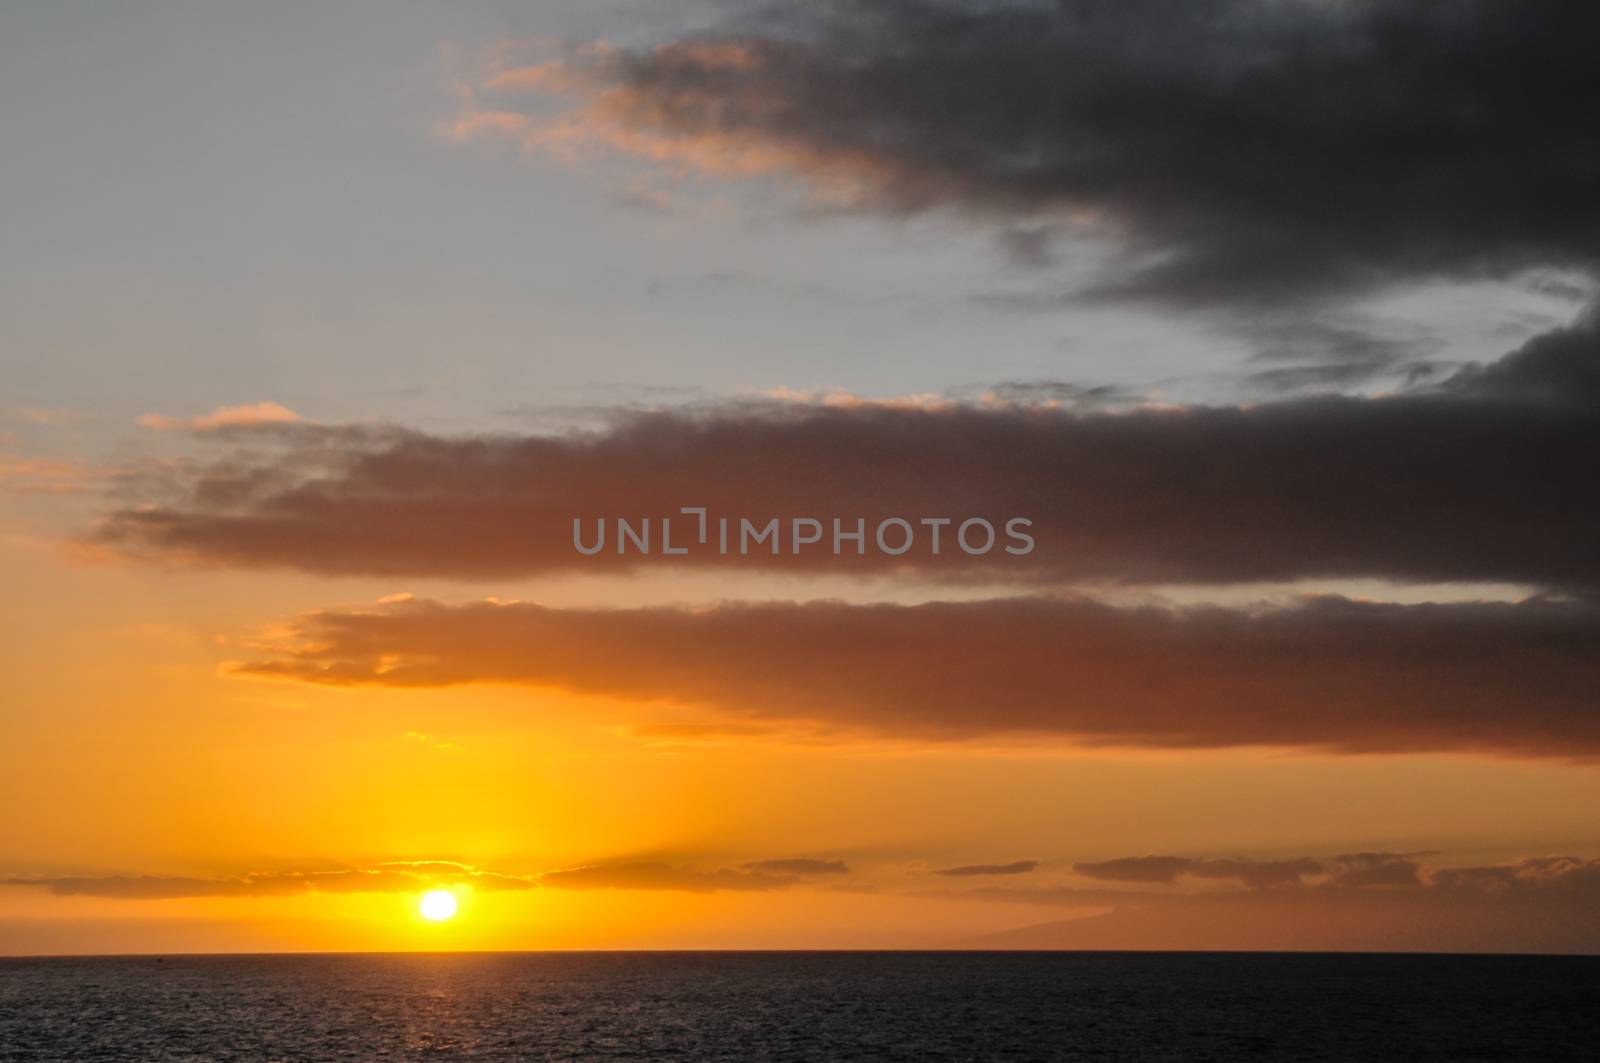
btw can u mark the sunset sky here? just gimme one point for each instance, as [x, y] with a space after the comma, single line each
[322, 324]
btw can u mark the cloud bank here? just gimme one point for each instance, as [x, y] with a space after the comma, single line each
[1240, 150]
[1487, 477]
[396, 877]
[1358, 901]
[1371, 900]
[416, 876]
[1331, 674]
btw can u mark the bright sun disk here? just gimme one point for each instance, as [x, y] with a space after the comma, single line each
[438, 905]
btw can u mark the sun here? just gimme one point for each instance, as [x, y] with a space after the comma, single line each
[437, 905]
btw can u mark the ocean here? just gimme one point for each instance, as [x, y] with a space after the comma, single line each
[741, 1006]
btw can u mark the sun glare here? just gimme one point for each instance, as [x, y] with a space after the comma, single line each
[437, 905]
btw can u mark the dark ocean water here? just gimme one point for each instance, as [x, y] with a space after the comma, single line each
[804, 1006]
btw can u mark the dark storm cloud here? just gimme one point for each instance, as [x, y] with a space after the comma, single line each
[1488, 476]
[1559, 368]
[1331, 674]
[1243, 150]
[1020, 867]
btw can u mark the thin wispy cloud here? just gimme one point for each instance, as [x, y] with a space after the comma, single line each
[661, 876]
[1169, 869]
[416, 876]
[21, 474]
[395, 877]
[1018, 867]
[247, 416]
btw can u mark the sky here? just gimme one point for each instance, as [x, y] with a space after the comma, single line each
[325, 326]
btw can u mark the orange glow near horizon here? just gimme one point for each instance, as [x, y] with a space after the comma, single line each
[190, 773]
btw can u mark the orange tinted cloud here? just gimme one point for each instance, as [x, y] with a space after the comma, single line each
[49, 476]
[416, 875]
[1542, 904]
[1019, 867]
[400, 877]
[1169, 869]
[248, 416]
[649, 875]
[606, 112]
[1331, 674]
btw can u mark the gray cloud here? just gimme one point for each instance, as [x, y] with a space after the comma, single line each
[1560, 368]
[1486, 477]
[1243, 150]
